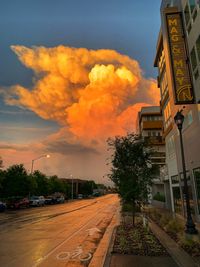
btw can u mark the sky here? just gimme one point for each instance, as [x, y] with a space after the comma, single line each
[72, 74]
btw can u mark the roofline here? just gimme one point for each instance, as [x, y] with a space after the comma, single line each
[158, 47]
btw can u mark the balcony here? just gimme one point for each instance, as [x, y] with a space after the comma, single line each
[150, 125]
[154, 140]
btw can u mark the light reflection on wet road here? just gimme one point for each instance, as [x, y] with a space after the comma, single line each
[54, 236]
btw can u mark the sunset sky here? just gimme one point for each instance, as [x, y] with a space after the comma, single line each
[72, 74]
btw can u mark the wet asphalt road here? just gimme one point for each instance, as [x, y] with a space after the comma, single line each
[55, 236]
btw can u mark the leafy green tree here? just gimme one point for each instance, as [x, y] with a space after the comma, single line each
[40, 184]
[57, 185]
[1, 163]
[2, 177]
[16, 181]
[87, 187]
[131, 170]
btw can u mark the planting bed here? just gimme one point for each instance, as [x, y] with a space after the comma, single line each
[175, 229]
[137, 240]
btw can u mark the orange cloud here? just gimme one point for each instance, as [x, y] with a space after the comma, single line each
[95, 94]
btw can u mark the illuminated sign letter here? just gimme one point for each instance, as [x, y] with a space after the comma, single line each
[172, 22]
[183, 90]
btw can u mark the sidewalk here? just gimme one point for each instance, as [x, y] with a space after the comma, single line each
[179, 258]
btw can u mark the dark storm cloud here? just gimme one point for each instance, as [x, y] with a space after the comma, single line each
[65, 148]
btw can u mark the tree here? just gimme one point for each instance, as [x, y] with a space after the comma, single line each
[87, 187]
[1, 163]
[56, 185]
[16, 181]
[40, 184]
[131, 170]
[2, 177]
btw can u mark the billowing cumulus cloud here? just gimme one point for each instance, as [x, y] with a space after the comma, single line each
[93, 94]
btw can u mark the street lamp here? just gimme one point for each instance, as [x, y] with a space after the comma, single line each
[190, 226]
[33, 160]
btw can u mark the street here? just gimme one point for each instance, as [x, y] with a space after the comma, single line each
[59, 235]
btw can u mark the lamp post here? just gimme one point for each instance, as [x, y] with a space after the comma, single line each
[33, 160]
[190, 226]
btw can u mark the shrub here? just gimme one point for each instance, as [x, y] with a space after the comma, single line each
[191, 246]
[174, 227]
[155, 214]
[159, 197]
[165, 219]
[126, 207]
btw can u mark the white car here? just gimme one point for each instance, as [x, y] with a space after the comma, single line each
[37, 201]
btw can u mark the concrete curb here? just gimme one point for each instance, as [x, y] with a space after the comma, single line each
[179, 255]
[110, 248]
[101, 255]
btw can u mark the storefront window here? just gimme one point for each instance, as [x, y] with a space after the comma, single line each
[187, 175]
[177, 199]
[190, 198]
[197, 180]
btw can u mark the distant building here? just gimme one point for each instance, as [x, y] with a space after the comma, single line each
[76, 184]
[150, 126]
[178, 62]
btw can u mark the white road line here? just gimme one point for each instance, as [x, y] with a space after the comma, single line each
[39, 261]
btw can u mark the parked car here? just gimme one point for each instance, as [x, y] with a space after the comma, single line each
[2, 206]
[60, 199]
[80, 196]
[18, 203]
[37, 201]
[49, 200]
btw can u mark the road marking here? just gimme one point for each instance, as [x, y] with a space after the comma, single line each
[78, 252]
[39, 261]
[92, 231]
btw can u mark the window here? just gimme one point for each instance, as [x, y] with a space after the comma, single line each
[196, 74]
[192, 5]
[193, 59]
[163, 84]
[177, 200]
[170, 145]
[187, 14]
[175, 179]
[196, 173]
[190, 118]
[187, 176]
[148, 118]
[198, 110]
[167, 114]
[198, 47]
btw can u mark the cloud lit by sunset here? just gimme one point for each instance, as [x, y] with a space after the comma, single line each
[95, 94]
[90, 94]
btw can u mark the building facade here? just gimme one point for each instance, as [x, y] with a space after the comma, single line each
[170, 72]
[150, 125]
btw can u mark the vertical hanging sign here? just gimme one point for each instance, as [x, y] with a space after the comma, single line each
[183, 89]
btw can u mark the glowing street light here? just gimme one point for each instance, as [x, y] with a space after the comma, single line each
[42, 156]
